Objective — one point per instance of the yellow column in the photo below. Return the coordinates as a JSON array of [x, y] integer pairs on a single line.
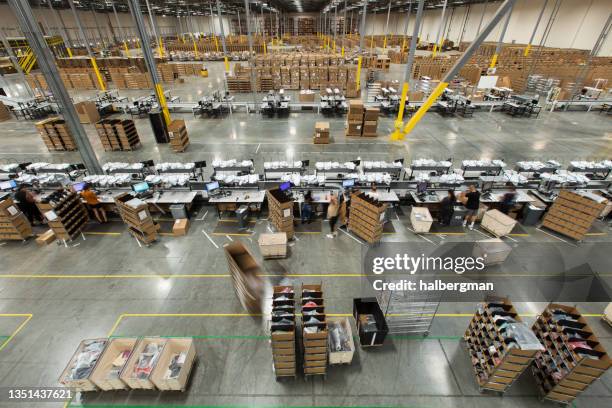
[[493, 61], [265, 47], [216, 43], [127, 50], [527, 50], [161, 47], [69, 52], [342, 51], [98, 75], [227, 64], [358, 79], [433, 54], [424, 108], [404, 45], [195, 48], [397, 133], [162, 101], [385, 42]]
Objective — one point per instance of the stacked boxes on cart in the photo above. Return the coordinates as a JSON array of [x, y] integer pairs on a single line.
[[574, 357], [283, 331], [66, 215], [361, 121], [314, 330], [280, 207], [56, 135], [135, 213], [573, 213], [501, 346], [177, 132], [321, 135], [116, 134], [366, 217], [13, 223], [146, 363]]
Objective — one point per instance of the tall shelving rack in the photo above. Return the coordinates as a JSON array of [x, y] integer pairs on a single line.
[[283, 333], [407, 312]]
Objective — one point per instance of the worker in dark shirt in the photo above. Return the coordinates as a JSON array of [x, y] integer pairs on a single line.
[[447, 208], [508, 199], [27, 204], [472, 203]]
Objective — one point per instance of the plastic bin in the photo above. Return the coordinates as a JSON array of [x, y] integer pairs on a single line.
[[179, 211], [370, 336]]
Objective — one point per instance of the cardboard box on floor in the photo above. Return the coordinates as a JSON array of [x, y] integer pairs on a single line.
[[180, 227], [87, 111], [46, 238]]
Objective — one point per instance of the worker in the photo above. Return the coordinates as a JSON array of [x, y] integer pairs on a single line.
[[508, 199], [447, 208], [472, 204], [92, 201], [332, 214], [374, 191], [307, 208], [27, 205]]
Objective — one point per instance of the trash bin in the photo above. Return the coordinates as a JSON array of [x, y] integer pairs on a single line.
[[242, 214], [179, 211]]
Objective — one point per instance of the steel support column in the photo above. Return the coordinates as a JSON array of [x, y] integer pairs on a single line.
[[62, 28], [535, 29], [440, 28], [484, 10], [46, 62], [251, 56], [154, 29], [148, 58], [387, 25], [15, 62], [121, 30], [227, 65]]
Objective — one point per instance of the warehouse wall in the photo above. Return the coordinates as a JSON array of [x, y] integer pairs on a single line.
[[167, 25], [577, 25]]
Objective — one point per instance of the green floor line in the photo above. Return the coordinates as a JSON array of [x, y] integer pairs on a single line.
[[230, 337], [242, 406]]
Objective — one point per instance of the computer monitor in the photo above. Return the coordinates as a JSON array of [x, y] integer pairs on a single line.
[[348, 183], [285, 186], [421, 187], [140, 187], [210, 187], [78, 187], [8, 185]]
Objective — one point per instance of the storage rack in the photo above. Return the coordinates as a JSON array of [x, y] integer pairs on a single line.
[[573, 214], [366, 217], [594, 173], [245, 273], [118, 134], [494, 170], [438, 169], [66, 217], [178, 135], [280, 207], [135, 213], [14, 226], [283, 335], [565, 369], [406, 312], [56, 135], [315, 344], [498, 358]]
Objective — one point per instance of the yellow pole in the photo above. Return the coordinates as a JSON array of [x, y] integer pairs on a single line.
[[397, 133], [433, 54], [98, 75], [69, 52], [424, 108], [385, 42], [162, 101], [265, 47], [195, 48], [527, 50], [334, 46], [358, 79], [372, 44], [161, 47], [227, 64], [127, 50], [404, 45], [493, 61], [216, 43], [342, 51]]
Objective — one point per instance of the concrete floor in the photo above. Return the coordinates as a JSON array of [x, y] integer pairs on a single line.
[[108, 285]]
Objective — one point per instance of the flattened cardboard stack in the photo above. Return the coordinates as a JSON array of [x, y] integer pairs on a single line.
[[5, 114], [573, 213], [118, 134], [574, 357], [499, 356], [321, 135], [14, 226], [314, 330], [135, 213], [370, 122], [355, 118], [56, 135], [283, 331], [179, 140], [366, 217], [66, 217], [245, 273], [280, 207], [87, 111]]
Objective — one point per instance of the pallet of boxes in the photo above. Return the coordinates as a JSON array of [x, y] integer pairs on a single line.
[[135, 213], [118, 134], [56, 135], [5, 114], [14, 226], [178, 135], [280, 207], [314, 330], [283, 332], [366, 217], [573, 213], [370, 122], [321, 135], [355, 118]]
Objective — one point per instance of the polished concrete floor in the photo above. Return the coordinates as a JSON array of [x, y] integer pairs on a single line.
[[106, 284]]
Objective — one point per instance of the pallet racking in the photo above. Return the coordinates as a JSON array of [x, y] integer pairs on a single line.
[[14, 226], [280, 207], [314, 330], [283, 332], [65, 213], [573, 213], [135, 213], [366, 217]]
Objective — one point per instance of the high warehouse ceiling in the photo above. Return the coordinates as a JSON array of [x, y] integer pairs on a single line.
[[202, 7]]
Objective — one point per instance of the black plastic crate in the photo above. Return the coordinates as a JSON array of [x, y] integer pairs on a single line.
[[369, 306]]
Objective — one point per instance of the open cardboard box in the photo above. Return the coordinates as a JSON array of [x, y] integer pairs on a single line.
[[101, 375], [160, 374], [85, 383], [128, 375]]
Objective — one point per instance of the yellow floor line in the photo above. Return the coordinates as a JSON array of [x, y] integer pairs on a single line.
[[28, 317], [518, 235], [596, 234], [165, 234]]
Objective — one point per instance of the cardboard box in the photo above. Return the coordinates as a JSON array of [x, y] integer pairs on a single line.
[[273, 245], [87, 111], [497, 223], [130, 376], [180, 227], [173, 348], [371, 114], [494, 251], [421, 219], [46, 238], [112, 362], [83, 383]]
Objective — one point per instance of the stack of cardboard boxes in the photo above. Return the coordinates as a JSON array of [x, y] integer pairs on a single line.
[[370, 122], [245, 272], [355, 118], [179, 140], [65, 215], [87, 111], [321, 135], [135, 213], [5, 114], [56, 135], [314, 330], [573, 213], [283, 331], [13, 223], [118, 134], [280, 206], [366, 217]]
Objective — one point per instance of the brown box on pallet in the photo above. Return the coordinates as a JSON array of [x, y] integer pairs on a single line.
[[356, 107], [46, 238], [87, 111], [371, 114]]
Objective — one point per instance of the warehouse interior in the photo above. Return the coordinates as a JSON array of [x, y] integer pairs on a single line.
[[204, 203]]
